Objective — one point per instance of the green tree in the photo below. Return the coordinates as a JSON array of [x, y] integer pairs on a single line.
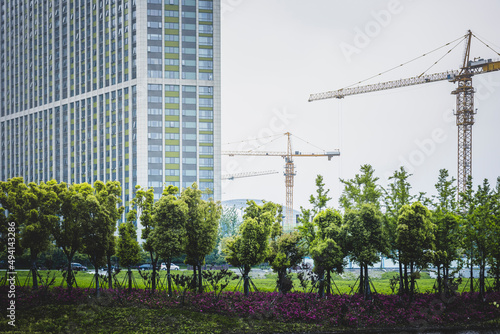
[[169, 236], [15, 203], [68, 230], [109, 196], [478, 221], [285, 252], [448, 240], [228, 227], [415, 240], [250, 246], [395, 197], [202, 226], [96, 231], [328, 247], [319, 202], [494, 244], [42, 216], [143, 210], [306, 227], [365, 240], [362, 189], [128, 249]]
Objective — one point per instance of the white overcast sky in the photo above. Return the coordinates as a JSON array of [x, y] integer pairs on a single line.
[[276, 52]]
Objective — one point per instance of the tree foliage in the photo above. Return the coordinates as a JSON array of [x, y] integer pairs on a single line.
[[415, 240], [169, 236], [202, 225]]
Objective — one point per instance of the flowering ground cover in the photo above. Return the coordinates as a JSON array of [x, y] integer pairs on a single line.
[[57, 310]]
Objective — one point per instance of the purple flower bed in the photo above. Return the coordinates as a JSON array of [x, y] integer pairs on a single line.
[[337, 310]]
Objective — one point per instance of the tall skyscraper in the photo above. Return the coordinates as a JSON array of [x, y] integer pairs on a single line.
[[125, 90]]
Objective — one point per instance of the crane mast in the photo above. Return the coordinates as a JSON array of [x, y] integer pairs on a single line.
[[289, 171], [464, 101]]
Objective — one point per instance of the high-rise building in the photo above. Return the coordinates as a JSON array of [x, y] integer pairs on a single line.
[[125, 90]]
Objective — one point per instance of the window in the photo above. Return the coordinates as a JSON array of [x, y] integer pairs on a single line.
[[205, 4], [172, 13], [171, 38], [171, 99], [154, 12], [172, 160], [171, 49], [206, 76], [191, 89], [205, 29], [154, 87], [204, 162], [154, 171], [154, 148], [171, 148], [206, 53], [206, 41], [191, 149], [189, 39], [206, 150], [206, 90], [154, 135], [187, 26], [206, 102], [155, 124], [154, 25], [153, 48], [204, 126], [206, 174], [172, 124], [206, 17], [171, 88], [171, 25], [206, 139], [154, 160], [191, 15]]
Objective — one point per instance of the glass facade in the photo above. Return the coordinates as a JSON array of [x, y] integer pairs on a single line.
[[125, 90]]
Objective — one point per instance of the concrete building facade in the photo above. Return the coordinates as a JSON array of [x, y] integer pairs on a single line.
[[125, 90]]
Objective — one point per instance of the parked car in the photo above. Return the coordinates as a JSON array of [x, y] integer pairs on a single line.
[[173, 266], [147, 266], [78, 267]]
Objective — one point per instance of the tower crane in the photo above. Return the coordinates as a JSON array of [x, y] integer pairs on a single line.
[[289, 170], [231, 177], [464, 99]]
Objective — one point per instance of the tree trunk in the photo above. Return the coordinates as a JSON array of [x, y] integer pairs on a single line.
[[471, 274], [200, 279], [110, 273], [368, 295], [69, 273], [169, 278], [246, 281], [96, 281], [328, 279], [401, 289], [129, 279], [439, 278], [361, 279], [481, 279], [412, 279], [34, 273], [407, 288], [321, 288]]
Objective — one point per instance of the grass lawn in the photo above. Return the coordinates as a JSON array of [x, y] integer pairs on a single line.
[[96, 315], [265, 282]]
